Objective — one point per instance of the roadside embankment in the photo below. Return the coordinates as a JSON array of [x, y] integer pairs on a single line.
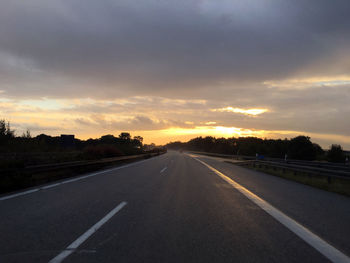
[[333, 181]]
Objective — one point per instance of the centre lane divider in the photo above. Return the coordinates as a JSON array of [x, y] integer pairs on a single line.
[[327, 250], [73, 246]]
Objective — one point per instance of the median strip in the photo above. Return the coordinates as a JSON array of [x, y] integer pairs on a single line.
[[68, 181], [19, 178]]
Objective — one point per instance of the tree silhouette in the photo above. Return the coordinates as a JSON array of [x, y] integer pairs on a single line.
[[125, 136], [302, 148], [299, 147], [336, 154], [6, 133]]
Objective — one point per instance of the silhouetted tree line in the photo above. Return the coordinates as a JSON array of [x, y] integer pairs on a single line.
[[6, 133], [300, 147], [106, 146]]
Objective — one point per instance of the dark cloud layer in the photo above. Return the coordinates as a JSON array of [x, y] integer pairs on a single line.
[[143, 47], [290, 57]]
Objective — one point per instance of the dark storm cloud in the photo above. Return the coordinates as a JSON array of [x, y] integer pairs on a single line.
[[187, 57], [118, 48]]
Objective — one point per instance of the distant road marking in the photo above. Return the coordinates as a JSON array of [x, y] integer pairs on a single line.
[[305, 234], [163, 169], [72, 247], [69, 181]]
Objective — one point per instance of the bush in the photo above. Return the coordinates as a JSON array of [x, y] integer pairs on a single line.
[[336, 154], [101, 151]]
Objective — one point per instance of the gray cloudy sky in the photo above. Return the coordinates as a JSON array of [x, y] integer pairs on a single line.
[[95, 67]]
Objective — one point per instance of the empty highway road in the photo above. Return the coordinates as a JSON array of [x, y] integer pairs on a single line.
[[175, 208]]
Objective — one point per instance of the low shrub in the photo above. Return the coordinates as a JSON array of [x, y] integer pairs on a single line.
[[101, 151]]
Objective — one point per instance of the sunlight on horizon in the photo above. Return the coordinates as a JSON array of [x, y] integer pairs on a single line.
[[94, 118]]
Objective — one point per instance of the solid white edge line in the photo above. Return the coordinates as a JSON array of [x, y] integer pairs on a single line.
[[19, 194], [305, 234], [73, 246], [69, 181]]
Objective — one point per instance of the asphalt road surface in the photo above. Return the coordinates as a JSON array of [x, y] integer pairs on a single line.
[[175, 208]]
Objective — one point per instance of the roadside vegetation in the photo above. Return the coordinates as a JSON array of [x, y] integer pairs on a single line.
[[298, 148], [26, 161], [21, 151]]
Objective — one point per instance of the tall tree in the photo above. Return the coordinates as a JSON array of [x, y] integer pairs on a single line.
[[301, 148]]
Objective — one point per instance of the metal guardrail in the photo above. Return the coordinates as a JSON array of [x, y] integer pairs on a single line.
[[315, 165], [18, 178], [304, 169], [77, 164]]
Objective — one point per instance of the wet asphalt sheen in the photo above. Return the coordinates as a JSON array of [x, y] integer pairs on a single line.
[[177, 210]]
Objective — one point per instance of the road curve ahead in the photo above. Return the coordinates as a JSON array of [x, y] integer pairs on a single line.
[[175, 208]]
